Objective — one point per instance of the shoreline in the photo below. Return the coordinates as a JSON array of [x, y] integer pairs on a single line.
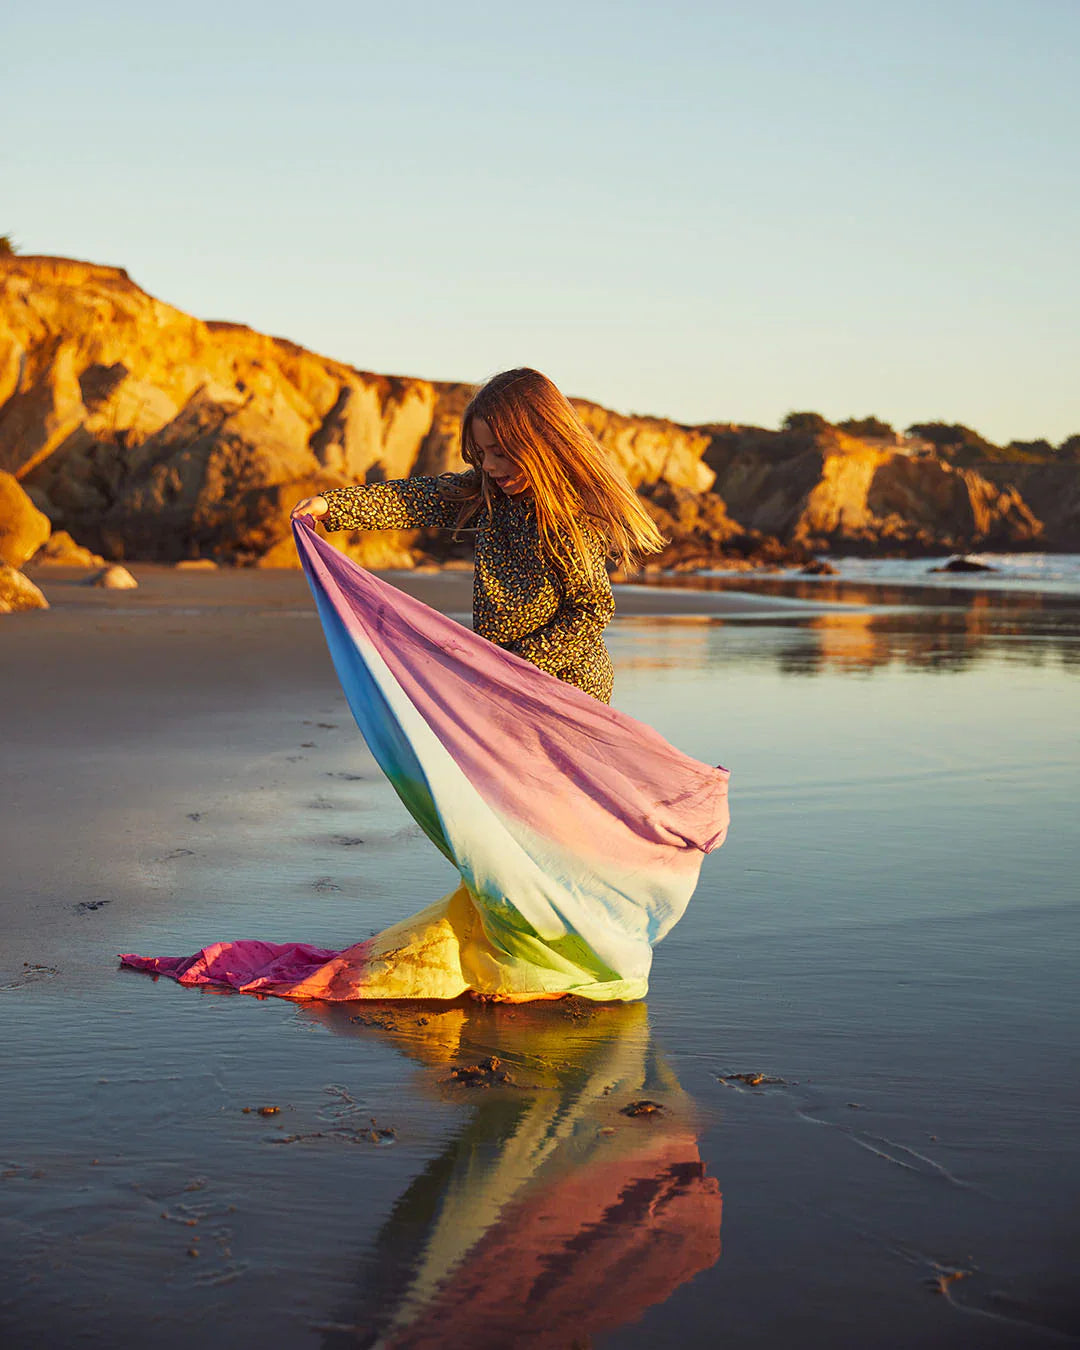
[[448, 590]]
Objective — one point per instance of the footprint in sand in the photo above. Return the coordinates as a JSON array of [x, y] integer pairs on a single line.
[[346, 841], [325, 884], [31, 973], [85, 906]]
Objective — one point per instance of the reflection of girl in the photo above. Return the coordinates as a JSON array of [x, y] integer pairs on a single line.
[[548, 509], [552, 1216]]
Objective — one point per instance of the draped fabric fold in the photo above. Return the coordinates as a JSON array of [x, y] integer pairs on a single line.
[[578, 832]]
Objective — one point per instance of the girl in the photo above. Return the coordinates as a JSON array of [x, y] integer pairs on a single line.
[[549, 509], [578, 833]]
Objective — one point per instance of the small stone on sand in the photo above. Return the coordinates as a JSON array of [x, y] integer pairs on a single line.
[[644, 1107], [114, 578]]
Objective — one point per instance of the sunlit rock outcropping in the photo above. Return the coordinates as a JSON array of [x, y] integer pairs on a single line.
[[148, 434]]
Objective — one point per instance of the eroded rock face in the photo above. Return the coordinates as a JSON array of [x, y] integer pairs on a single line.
[[934, 500], [650, 450], [1050, 491], [23, 528], [18, 592], [700, 532], [147, 433], [150, 434], [836, 492]]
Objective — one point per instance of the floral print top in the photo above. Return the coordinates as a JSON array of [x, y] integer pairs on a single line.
[[550, 614]]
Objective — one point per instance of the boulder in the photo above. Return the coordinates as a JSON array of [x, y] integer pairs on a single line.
[[60, 550], [964, 565], [114, 578], [196, 565], [23, 528], [18, 592]]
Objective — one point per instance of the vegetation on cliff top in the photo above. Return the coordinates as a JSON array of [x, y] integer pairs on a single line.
[[959, 444]]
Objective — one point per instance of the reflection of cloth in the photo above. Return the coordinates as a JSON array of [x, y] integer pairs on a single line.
[[578, 832], [551, 1216], [553, 616]]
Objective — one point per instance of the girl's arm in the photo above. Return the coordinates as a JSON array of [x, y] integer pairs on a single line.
[[401, 504], [586, 608]]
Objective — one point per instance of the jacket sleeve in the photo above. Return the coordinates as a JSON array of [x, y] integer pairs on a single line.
[[401, 504], [586, 608]]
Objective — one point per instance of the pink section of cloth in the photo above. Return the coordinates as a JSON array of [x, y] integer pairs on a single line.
[[598, 782]]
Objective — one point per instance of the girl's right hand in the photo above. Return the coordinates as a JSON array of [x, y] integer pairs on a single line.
[[311, 506]]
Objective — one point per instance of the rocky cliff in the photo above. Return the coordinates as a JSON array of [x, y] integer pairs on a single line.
[[1052, 491], [147, 433], [831, 491]]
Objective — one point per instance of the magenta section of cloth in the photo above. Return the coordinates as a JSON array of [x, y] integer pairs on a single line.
[[247, 964], [604, 786]]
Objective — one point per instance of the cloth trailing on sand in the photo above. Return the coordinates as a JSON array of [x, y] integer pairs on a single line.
[[578, 832]]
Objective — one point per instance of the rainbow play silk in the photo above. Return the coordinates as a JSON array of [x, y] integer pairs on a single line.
[[578, 832]]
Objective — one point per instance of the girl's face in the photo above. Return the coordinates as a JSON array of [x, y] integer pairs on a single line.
[[503, 471]]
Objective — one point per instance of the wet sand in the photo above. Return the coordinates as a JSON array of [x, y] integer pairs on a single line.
[[889, 934]]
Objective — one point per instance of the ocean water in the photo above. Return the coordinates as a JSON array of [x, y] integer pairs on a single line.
[[1054, 573], [860, 1043]]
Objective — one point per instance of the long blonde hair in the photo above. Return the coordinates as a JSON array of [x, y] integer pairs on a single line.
[[571, 478]]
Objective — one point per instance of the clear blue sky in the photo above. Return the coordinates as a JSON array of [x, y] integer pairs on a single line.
[[714, 211]]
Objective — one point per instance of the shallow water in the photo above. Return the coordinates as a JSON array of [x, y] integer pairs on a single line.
[[890, 932], [1053, 573]]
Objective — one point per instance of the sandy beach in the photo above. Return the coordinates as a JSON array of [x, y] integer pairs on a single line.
[[861, 1037]]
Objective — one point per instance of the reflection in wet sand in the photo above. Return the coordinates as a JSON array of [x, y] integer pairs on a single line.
[[552, 1216], [934, 640], [879, 627]]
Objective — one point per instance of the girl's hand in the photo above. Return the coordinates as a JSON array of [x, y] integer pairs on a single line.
[[310, 506]]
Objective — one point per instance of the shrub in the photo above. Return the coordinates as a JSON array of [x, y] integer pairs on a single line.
[[810, 423], [951, 437], [872, 427], [1069, 448]]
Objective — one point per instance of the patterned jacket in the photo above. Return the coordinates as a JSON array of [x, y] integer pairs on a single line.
[[550, 614]]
